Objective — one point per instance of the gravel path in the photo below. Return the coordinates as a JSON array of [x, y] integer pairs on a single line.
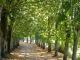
[[28, 51]]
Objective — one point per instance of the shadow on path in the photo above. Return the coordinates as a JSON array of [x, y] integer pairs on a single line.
[[28, 51]]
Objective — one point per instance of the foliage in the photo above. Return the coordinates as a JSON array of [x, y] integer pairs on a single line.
[[31, 18]]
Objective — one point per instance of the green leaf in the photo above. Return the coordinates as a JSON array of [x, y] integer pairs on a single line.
[[66, 5], [77, 18], [74, 1], [68, 12], [61, 17]]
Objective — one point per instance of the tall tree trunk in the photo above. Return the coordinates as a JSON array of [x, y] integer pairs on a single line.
[[75, 45], [0, 40], [30, 39], [39, 43], [49, 47], [49, 43], [43, 45], [65, 50], [0, 31], [56, 42], [77, 11], [9, 34], [9, 38], [56, 47], [4, 31], [66, 42], [27, 39]]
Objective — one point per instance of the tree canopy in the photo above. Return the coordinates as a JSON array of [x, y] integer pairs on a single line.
[[47, 20]]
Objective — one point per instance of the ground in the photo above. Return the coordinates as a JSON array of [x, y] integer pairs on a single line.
[[26, 51]]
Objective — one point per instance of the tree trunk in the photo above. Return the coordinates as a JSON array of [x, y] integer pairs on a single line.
[[56, 47], [66, 42], [43, 45], [66, 50], [4, 31], [27, 39], [75, 46], [9, 38], [49, 43], [39, 43], [0, 31], [76, 33], [30, 39], [56, 41], [0, 40], [49, 47]]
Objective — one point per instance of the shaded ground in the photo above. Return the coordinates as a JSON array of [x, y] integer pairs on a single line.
[[28, 51]]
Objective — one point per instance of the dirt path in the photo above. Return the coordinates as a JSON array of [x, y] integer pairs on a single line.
[[28, 51]]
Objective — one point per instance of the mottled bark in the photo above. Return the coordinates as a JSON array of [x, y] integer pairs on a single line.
[[56, 41], [30, 39], [49, 47], [56, 47], [4, 31], [43, 45], [27, 39], [49, 43], [75, 46], [0, 31], [67, 30], [66, 50], [39, 43], [9, 38]]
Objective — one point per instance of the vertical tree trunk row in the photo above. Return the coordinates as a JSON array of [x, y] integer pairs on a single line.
[[0, 31], [75, 45], [67, 30], [6, 34], [49, 43], [56, 41], [4, 31]]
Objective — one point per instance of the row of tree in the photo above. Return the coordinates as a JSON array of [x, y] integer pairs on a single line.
[[53, 22]]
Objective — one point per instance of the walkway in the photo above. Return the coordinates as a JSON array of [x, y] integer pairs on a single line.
[[28, 51]]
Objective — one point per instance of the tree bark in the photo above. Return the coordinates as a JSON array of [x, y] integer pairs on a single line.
[[0, 31], [76, 31], [27, 39], [43, 45], [30, 39], [49, 43], [66, 50], [4, 31], [49, 47], [75, 45], [67, 30], [9, 38], [56, 47], [56, 41]]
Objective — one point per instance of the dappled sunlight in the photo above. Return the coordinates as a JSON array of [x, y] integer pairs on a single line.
[[28, 51]]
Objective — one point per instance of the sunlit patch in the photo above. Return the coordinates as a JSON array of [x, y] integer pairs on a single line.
[[32, 52], [15, 53], [12, 53], [60, 58], [21, 55], [41, 56]]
